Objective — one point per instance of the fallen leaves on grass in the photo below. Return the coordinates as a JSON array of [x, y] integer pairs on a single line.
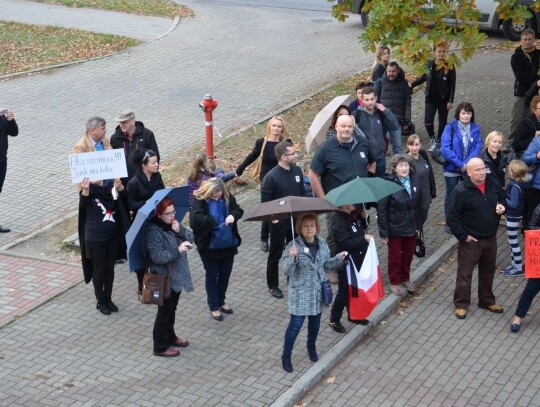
[[162, 8], [24, 46]]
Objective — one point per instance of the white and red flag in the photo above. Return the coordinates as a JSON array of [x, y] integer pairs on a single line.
[[365, 285]]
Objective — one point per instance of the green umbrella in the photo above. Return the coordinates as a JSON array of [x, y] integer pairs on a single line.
[[361, 190]]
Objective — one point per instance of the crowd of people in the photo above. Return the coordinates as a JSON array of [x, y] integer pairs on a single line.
[[484, 181]]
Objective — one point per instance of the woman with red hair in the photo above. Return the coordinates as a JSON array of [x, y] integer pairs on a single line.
[[167, 243]]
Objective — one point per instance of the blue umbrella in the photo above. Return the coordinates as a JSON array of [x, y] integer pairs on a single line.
[[135, 234]]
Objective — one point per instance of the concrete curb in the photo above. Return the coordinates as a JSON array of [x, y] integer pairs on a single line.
[[331, 357], [172, 27]]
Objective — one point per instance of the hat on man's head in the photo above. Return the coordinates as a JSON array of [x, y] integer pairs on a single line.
[[124, 115]]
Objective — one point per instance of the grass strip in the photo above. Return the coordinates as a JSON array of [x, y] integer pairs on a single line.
[[24, 46], [159, 8]]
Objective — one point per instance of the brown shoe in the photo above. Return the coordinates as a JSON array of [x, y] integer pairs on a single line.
[[495, 308], [396, 289], [169, 353], [460, 313], [410, 287]]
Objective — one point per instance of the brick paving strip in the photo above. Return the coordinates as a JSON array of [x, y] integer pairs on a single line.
[[66, 353]]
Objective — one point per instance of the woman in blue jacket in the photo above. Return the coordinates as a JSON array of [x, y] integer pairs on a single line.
[[460, 141]]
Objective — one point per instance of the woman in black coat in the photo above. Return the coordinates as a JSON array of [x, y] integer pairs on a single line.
[[398, 220], [496, 161], [140, 189], [103, 222], [276, 131], [213, 206], [347, 229]]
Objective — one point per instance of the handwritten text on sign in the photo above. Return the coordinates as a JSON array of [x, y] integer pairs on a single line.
[[96, 165], [532, 253]]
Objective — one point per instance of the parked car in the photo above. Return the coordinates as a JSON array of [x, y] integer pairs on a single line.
[[489, 19]]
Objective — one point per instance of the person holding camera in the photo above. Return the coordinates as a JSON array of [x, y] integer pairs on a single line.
[[167, 244], [8, 127]]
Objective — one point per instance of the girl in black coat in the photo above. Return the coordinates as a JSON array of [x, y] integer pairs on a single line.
[[347, 229], [212, 206], [140, 189], [398, 220]]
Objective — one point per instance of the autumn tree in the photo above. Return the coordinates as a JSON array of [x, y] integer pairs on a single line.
[[413, 27]]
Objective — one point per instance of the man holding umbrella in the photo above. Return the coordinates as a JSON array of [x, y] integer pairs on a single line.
[[285, 179]]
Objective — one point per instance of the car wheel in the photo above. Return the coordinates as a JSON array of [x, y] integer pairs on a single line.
[[365, 19], [513, 31]]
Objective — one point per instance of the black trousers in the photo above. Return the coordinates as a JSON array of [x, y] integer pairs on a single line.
[[3, 170], [280, 235], [341, 299], [164, 333], [103, 258], [431, 108]]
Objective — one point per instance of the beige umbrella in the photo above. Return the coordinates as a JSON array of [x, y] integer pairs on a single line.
[[318, 129]]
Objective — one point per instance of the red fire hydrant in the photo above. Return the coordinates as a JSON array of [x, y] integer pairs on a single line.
[[208, 105]]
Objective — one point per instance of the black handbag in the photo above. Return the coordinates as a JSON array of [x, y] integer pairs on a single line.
[[420, 248], [326, 289], [436, 155]]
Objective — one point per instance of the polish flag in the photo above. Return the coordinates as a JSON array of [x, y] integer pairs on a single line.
[[365, 286]]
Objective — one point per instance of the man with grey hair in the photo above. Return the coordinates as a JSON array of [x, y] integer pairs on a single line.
[[525, 63], [94, 139], [131, 135]]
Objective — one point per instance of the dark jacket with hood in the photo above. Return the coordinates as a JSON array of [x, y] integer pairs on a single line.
[[375, 126], [398, 214], [525, 67], [473, 213], [7, 128], [445, 81], [143, 139], [395, 95]]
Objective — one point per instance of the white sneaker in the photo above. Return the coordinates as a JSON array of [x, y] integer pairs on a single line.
[[432, 144]]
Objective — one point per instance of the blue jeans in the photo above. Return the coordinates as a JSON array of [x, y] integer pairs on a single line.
[[395, 139], [451, 183], [218, 272], [380, 170], [314, 323]]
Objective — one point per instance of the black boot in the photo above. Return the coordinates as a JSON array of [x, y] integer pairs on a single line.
[[112, 306], [103, 307], [312, 351], [286, 362]]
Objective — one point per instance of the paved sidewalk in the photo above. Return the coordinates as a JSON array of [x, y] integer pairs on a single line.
[[65, 353], [142, 28], [423, 356]]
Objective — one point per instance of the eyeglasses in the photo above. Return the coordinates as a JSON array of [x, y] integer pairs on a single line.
[[169, 213]]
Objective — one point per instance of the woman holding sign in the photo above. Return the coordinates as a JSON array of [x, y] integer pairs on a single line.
[[103, 222], [533, 284]]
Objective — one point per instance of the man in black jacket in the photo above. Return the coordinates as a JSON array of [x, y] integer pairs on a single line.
[[474, 217], [8, 127], [394, 93], [285, 179], [131, 135], [525, 63]]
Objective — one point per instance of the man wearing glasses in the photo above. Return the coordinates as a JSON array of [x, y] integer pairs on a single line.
[[131, 135], [285, 179], [473, 216]]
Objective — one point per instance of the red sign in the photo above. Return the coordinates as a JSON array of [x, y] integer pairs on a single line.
[[532, 254]]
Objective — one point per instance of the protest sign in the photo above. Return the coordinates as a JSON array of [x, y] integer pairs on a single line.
[[532, 253], [107, 164]]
